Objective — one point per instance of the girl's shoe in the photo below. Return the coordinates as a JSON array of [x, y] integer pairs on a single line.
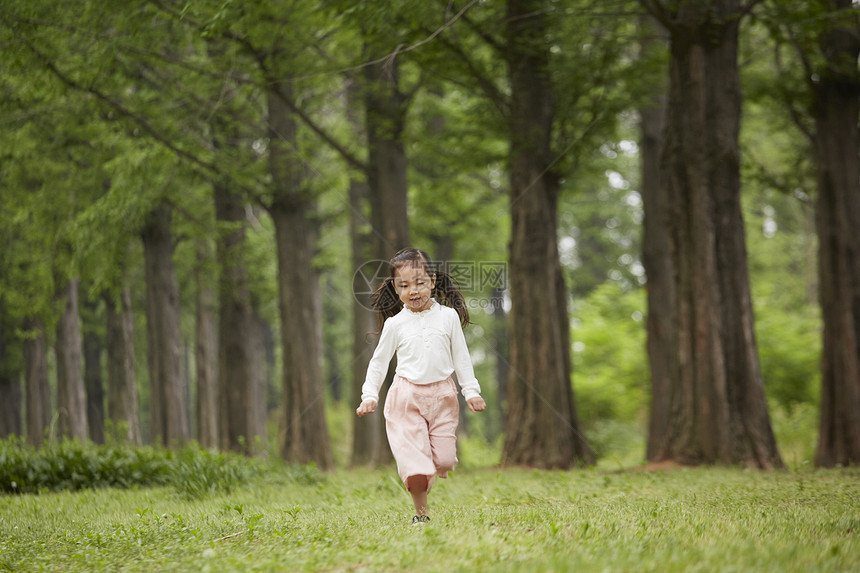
[[419, 519]]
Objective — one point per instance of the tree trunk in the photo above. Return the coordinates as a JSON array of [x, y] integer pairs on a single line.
[[10, 405], [206, 350], [718, 412], [836, 142], [259, 382], [540, 396], [38, 392], [235, 354], [332, 316], [657, 260], [304, 435], [368, 433], [385, 116], [10, 382], [384, 107], [92, 345], [271, 384], [121, 376], [443, 252], [168, 412], [501, 350], [368, 436], [71, 396]]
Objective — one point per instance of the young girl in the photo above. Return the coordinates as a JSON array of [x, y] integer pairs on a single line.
[[421, 408]]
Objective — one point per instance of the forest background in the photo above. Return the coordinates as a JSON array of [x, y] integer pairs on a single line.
[[196, 195]]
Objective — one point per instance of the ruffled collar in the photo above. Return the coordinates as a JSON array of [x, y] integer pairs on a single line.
[[419, 313]]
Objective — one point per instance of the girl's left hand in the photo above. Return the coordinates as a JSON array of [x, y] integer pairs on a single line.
[[476, 404]]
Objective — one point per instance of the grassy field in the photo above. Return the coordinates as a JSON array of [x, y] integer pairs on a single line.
[[706, 519]]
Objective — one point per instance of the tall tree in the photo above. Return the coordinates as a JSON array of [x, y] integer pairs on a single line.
[[168, 413], [206, 349], [10, 380], [368, 433], [38, 392], [385, 107], [121, 378], [71, 394], [540, 396], [256, 36], [385, 116], [92, 343], [235, 354], [304, 436], [718, 412], [237, 395], [835, 85], [656, 252]]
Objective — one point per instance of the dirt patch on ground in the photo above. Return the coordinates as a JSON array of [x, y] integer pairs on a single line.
[[662, 466]]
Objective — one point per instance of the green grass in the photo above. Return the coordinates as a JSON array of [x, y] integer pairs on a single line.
[[705, 519]]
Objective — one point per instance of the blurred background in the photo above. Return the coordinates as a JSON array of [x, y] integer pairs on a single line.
[[191, 192]]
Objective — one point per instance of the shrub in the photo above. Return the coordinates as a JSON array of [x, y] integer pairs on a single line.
[[197, 472], [73, 465]]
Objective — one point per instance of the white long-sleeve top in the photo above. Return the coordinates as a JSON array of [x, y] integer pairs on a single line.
[[430, 346]]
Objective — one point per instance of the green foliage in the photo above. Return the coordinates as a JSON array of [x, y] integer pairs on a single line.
[[192, 472], [198, 472], [796, 431], [790, 355], [610, 367], [72, 465], [600, 218], [784, 287]]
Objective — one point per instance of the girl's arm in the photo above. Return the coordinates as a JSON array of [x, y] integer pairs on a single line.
[[377, 368], [462, 361]]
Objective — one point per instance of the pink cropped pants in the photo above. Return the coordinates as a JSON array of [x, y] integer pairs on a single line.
[[421, 422]]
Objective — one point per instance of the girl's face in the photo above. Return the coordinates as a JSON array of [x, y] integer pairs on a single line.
[[414, 286]]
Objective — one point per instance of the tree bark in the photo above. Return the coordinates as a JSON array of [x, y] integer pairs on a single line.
[[368, 433], [38, 392], [304, 434], [235, 354], [368, 436], [385, 116], [259, 381], [71, 396], [332, 316], [718, 412], [206, 350], [121, 376], [657, 260], [168, 411], [386, 191], [10, 382], [443, 252], [10, 405], [540, 396], [836, 143], [501, 350], [92, 346]]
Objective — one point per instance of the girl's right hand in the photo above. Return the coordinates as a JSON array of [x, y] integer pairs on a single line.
[[366, 407]]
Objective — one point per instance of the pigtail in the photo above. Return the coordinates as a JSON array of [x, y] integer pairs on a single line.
[[446, 292], [386, 302]]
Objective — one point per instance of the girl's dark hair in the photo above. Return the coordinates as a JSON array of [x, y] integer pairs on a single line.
[[445, 291]]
